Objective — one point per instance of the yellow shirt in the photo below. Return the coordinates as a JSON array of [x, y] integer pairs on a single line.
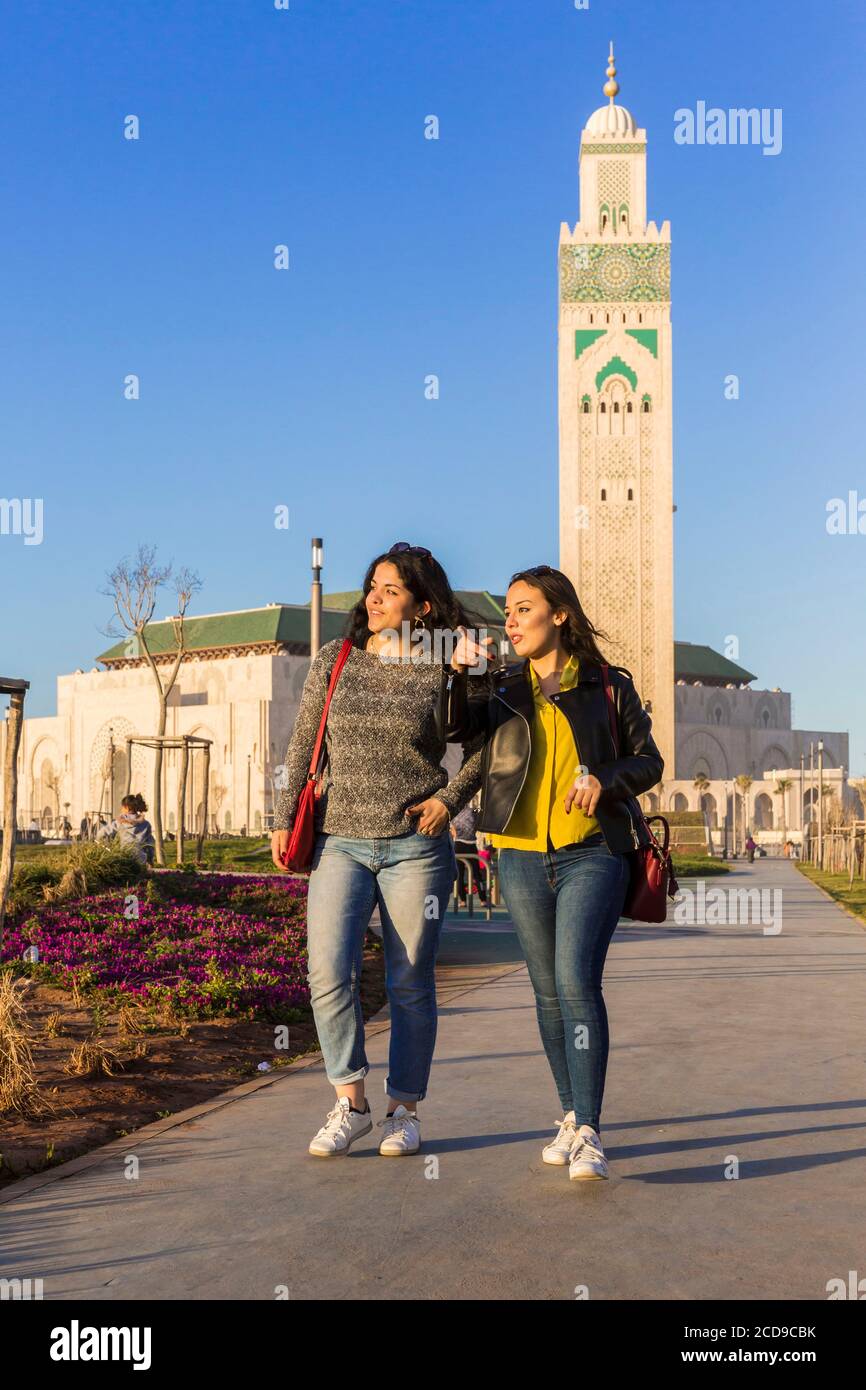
[[553, 766]]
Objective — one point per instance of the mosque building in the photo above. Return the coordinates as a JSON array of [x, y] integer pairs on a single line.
[[240, 682]]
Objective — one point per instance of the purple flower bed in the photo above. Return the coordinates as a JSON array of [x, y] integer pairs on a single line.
[[214, 945]]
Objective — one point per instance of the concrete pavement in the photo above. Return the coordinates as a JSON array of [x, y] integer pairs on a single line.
[[727, 1044]]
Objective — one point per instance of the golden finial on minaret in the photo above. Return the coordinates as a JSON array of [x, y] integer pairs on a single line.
[[611, 87]]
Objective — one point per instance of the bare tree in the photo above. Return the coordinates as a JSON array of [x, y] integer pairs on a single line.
[[133, 589], [16, 690]]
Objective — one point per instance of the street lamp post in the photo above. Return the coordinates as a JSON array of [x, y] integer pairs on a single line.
[[820, 803], [811, 792], [802, 820], [316, 597]]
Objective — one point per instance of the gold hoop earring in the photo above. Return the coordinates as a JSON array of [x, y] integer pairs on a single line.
[[419, 622]]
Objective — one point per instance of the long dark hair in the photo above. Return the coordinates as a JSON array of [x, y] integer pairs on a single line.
[[426, 580], [577, 634]]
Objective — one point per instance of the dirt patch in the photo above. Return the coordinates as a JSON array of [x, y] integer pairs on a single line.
[[183, 1064]]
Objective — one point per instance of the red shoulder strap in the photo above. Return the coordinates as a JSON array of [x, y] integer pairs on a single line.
[[342, 657]]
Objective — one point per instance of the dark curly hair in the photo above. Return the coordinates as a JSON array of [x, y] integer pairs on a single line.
[[577, 634], [426, 580]]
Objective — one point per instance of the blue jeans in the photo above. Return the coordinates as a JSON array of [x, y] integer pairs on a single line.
[[565, 906], [411, 877]]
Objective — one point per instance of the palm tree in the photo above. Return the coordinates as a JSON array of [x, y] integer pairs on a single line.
[[783, 786], [744, 782]]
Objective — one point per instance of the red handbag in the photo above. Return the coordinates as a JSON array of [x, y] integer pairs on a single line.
[[652, 871], [299, 854]]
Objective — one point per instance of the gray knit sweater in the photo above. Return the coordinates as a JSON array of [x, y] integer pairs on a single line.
[[383, 751]]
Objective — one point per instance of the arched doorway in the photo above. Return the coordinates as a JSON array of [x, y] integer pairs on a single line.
[[763, 812]]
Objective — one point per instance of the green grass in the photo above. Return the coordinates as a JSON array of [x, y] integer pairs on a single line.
[[251, 853], [688, 865], [854, 898]]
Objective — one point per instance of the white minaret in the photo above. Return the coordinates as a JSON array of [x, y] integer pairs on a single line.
[[615, 443]]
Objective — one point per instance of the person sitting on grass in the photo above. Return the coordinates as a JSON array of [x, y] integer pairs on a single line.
[[131, 829]]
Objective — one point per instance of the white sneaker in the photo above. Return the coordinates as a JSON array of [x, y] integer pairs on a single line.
[[402, 1133], [558, 1150], [340, 1130], [587, 1159]]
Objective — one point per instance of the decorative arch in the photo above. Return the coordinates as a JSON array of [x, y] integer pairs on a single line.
[[46, 773], [103, 790], [705, 753], [763, 811], [616, 367], [775, 757], [710, 808], [719, 712]]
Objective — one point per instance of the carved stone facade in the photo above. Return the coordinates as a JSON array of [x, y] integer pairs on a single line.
[[615, 436]]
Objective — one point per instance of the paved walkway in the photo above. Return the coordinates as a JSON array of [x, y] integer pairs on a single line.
[[726, 1042]]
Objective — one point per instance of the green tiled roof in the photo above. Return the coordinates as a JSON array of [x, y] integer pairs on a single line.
[[279, 622], [693, 662]]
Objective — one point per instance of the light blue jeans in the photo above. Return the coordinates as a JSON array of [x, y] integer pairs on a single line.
[[411, 877]]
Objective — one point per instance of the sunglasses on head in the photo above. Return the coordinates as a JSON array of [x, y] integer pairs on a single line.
[[535, 571], [404, 548]]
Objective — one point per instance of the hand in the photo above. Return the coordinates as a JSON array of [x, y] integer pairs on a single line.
[[279, 845], [432, 816], [583, 794], [468, 652]]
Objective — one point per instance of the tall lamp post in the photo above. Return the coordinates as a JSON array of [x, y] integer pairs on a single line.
[[316, 597], [820, 803], [802, 810], [811, 793]]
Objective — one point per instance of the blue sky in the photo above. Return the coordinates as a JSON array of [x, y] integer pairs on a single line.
[[408, 257]]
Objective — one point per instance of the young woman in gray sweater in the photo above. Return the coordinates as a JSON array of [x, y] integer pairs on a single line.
[[382, 825]]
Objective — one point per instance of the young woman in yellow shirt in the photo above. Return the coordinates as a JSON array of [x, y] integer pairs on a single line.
[[555, 801]]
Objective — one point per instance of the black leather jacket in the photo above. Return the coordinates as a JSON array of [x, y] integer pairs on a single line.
[[501, 709]]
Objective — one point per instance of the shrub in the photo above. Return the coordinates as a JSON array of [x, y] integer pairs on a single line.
[[84, 868]]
